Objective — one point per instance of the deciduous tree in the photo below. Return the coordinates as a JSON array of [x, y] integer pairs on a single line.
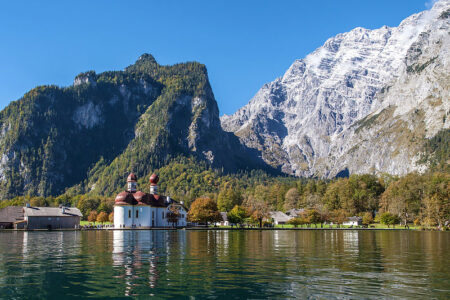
[[102, 217], [111, 217], [204, 210], [367, 218], [258, 209], [92, 216], [292, 198], [237, 215], [389, 219]]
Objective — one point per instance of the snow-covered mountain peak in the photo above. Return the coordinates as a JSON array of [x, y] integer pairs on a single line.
[[295, 119]]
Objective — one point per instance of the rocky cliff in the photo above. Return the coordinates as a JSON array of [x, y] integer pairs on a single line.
[[366, 101], [89, 134]]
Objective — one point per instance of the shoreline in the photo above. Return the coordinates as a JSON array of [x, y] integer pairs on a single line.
[[218, 229]]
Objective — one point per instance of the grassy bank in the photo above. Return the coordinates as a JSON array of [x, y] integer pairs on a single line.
[[87, 223], [318, 226]]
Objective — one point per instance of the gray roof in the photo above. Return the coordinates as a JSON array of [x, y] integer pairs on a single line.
[[295, 212], [11, 214], [52, 212], [354, 218], [224, 216], [279, 216]]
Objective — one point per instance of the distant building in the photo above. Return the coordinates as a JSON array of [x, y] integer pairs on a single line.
[[51, 217], [295, 212], [353, 221], [224, 220], [136, 209], [10, 215], [279, 217]]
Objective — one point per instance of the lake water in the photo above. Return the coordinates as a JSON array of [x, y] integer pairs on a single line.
[[314, 264]]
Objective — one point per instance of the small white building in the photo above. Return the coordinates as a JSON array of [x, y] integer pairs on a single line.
[[224, 220], [135, 209], [279, 217], [353, 221]]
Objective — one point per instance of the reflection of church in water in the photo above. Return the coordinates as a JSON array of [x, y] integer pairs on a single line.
[[144, 257], [135, 209]]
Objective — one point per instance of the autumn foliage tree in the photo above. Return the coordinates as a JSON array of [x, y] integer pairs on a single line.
[[437, 199], [367, 218], [292, 198], [111, 217], [297, 221], [313, 217], [102, 217], [403, 197], [338, 216], [92, 216], [204, 210], [257, 209]]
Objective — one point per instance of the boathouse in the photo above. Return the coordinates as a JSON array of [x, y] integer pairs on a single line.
[[51, 217], [10, 215]]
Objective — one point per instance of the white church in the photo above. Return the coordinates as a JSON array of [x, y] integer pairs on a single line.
[[135, 209]]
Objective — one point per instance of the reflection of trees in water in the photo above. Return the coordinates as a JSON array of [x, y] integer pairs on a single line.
[[265, 264]]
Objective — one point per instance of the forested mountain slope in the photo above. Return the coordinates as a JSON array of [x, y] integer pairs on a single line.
[[89, 134]]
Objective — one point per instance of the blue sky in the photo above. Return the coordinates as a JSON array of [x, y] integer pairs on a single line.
[[244, 44]]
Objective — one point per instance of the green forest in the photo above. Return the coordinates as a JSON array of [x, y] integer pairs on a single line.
[[422, 199], [163, 119], [86, 136]]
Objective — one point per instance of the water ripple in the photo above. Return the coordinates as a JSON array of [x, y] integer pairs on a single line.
[[225, 264]]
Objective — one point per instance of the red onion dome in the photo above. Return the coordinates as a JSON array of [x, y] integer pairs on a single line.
[[125, 198], [154, 179], [141, 198], [131, 177]]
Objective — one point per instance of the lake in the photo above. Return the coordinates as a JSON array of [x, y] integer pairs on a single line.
[[315, 264]]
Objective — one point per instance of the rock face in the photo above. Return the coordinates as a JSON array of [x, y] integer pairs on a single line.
[[335, 111], [89, 134]]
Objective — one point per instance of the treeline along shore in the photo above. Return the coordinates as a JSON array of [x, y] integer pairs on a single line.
[[420, 200]]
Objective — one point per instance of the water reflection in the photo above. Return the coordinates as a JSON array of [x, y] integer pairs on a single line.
[[131, 251], [219, 264]]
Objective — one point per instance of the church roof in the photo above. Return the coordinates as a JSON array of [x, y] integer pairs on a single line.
[[141, 198], [154, 179], [131, 177]]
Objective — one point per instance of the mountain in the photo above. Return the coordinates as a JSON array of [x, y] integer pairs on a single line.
[[87, 136], [367, 101]]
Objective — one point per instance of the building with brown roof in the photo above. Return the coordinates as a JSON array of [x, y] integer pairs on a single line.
[[9, 215], [136, 209]]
